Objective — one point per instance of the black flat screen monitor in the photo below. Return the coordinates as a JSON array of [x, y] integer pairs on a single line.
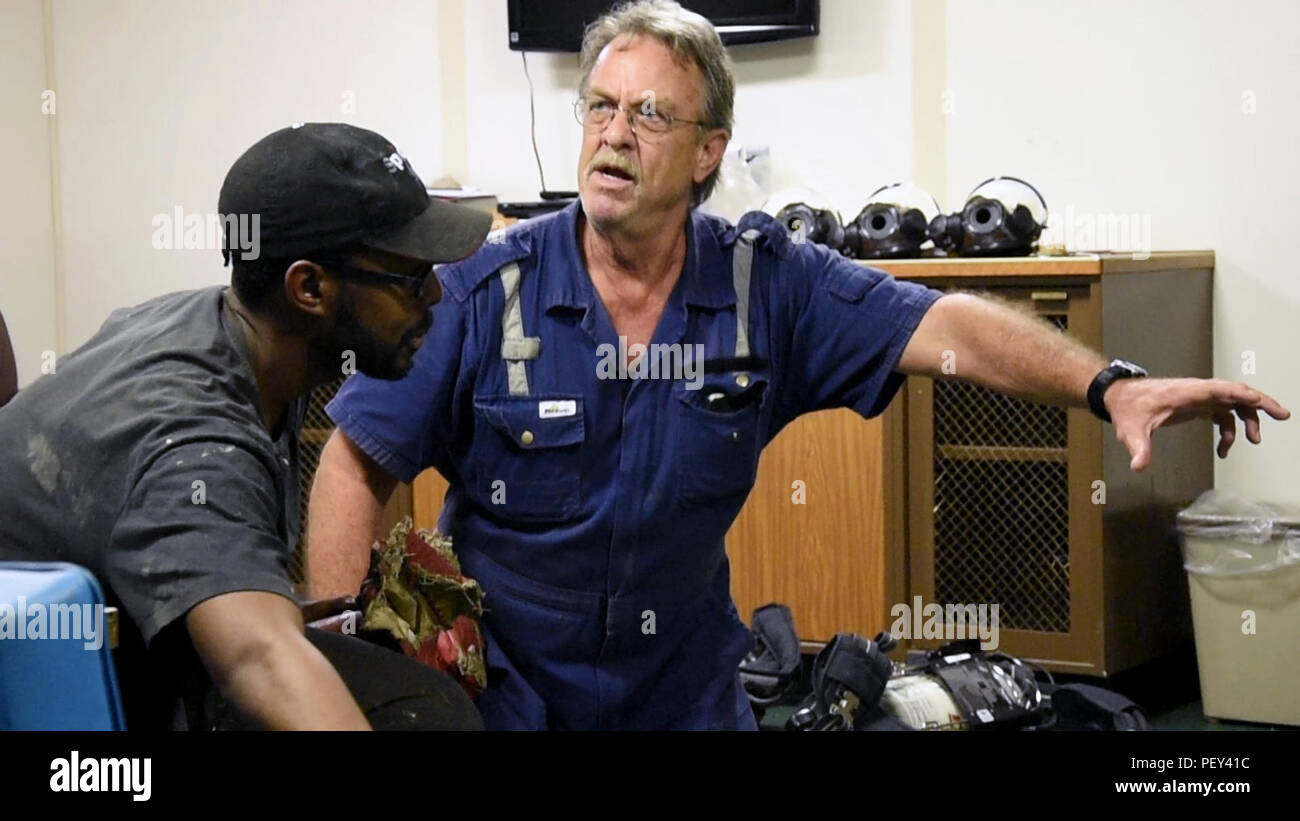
[[557, 25]]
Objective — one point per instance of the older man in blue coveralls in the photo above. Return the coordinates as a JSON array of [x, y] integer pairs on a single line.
[[593, 510]]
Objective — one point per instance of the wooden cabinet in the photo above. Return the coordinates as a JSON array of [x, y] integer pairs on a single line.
[[961, 496]]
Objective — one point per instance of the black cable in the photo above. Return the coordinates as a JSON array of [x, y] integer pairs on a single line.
[[532, 120]]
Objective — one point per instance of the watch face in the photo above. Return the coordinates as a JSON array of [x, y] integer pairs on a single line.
[[1132, 369]]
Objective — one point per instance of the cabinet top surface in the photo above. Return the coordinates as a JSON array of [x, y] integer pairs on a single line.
[[1066, 265]]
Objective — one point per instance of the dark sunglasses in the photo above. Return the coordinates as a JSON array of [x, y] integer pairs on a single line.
[[417, 284]]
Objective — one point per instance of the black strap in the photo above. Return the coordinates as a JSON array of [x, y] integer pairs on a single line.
[[726, 364], [1087, 707], [772, 667], [848, 678]]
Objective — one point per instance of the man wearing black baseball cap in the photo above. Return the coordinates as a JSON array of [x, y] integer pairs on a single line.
[[345, 203], [162, 455]]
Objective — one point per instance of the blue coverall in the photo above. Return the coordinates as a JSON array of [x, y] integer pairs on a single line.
[[593, 510]]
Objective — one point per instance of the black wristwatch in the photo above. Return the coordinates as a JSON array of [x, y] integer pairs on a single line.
[[1118, 369]]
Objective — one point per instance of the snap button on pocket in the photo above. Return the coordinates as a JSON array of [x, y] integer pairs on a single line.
[[528, 466], [742, 379]]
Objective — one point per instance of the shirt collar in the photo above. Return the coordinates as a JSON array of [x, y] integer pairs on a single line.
[[566, 282], [706, 274]]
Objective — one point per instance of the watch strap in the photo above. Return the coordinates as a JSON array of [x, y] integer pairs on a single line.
[[1102, 381]]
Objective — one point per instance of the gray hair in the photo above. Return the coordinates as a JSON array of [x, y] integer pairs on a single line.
[[690, 37]]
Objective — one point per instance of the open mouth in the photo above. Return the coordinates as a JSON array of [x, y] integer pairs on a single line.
[[613, 173]]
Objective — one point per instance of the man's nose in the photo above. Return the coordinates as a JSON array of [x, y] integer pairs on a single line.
[[618, 131]]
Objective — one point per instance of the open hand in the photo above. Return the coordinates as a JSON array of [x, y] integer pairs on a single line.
[[1139, 406]]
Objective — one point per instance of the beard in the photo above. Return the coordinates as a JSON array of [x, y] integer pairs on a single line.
[[374, 357]]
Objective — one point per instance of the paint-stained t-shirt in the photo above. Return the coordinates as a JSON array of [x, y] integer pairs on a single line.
[[144, 458]]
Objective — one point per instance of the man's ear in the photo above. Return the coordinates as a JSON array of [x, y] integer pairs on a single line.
[[709, 157], [308, 290]]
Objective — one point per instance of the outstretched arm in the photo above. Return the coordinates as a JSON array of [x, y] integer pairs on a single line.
[[1004, 349]]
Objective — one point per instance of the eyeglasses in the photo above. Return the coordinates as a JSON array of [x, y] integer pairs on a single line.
[[417, 285], [595, 113]]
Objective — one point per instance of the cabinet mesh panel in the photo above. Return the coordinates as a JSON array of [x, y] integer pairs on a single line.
[[1001, 505], [316, 428]]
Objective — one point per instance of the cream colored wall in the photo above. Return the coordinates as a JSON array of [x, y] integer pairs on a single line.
[[27, 295], [1184, 110], [157, 98], [845, 94]]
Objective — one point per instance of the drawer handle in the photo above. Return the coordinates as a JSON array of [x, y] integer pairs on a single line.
[[1049, 296]]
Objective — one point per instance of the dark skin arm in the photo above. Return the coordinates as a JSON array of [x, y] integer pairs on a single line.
[[252, 644]]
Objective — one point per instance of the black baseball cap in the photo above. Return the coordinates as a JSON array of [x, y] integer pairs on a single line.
[[321, 186]]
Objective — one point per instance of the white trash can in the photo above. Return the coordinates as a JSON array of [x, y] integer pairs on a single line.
[[1243, 570]]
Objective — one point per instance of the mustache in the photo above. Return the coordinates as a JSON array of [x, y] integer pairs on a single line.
[[617, 162]]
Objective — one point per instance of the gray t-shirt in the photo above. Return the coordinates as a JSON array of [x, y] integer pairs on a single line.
[[144, 458]]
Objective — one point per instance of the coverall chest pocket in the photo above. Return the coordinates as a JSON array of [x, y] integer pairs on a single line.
[[527, 455], [717, 437]]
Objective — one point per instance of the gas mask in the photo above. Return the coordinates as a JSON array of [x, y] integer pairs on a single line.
[[807, 217], [892, 224], [1003, 216], [808, 224]]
